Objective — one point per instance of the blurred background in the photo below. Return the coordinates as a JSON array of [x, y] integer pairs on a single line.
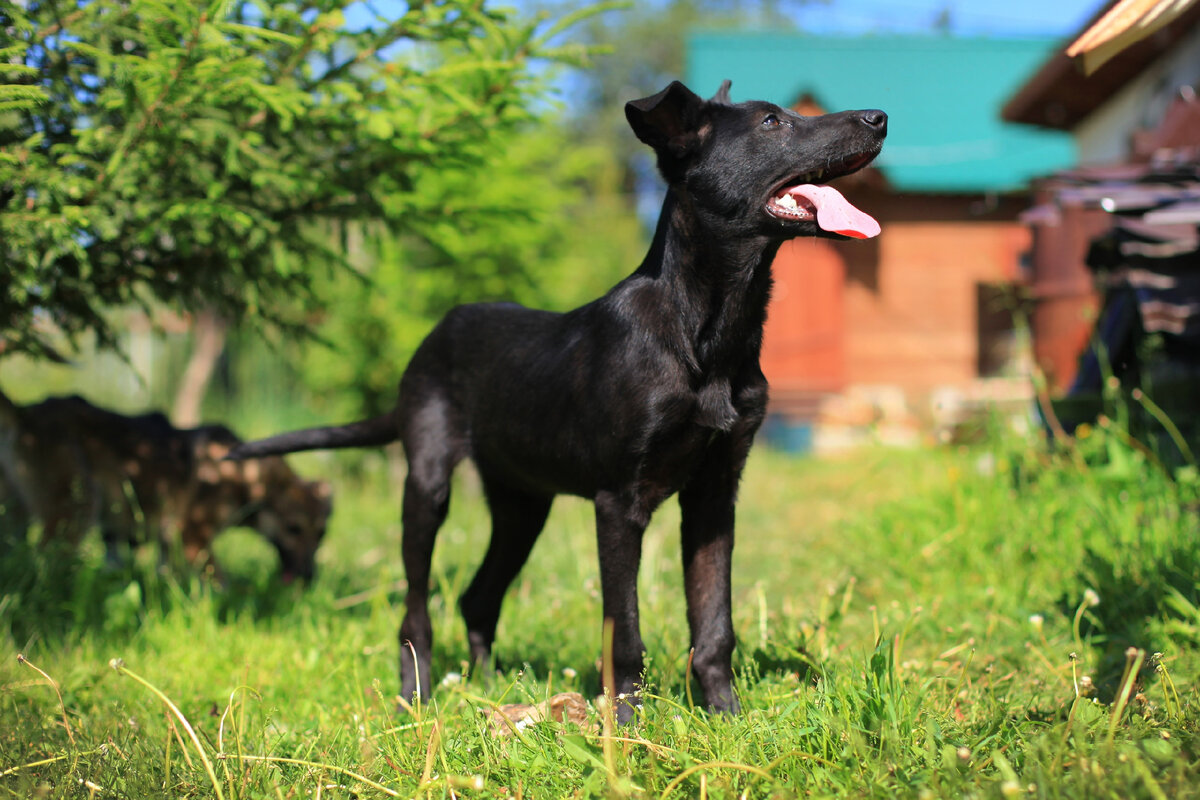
[[253, 212]]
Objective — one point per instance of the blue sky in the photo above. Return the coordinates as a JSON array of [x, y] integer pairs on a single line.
[[968, 17], [847, 17]]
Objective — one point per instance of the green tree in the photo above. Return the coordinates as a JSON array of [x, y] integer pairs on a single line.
[[194, 154], [544, 224]]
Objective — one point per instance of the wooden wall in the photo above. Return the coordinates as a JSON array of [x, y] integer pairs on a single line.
[[903, 309]]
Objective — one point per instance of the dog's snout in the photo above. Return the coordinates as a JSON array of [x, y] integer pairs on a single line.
[[874, 118]]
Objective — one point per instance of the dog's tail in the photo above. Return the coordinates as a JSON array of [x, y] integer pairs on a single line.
[[373, 432]]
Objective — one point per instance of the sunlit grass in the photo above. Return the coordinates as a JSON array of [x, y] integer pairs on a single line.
[[949, 623]]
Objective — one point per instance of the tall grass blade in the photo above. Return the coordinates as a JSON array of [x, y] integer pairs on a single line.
[[121, 669], [21, 659], [1133, 663]]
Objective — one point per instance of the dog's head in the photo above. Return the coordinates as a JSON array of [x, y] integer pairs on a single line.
[[758, 163], [293, 519]]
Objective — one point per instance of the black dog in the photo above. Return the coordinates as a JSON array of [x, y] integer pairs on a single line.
[[653, 389]]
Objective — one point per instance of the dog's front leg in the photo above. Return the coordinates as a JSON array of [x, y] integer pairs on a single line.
[[707, 510], [620, 522]]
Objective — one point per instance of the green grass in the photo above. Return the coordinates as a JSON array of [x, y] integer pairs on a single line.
[[911, 624]]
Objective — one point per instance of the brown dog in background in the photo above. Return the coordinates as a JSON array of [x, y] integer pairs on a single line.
[[72, 466]]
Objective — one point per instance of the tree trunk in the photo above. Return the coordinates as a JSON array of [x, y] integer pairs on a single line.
[[208, 341]]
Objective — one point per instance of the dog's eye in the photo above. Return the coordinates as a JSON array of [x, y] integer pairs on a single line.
[[773, 121]]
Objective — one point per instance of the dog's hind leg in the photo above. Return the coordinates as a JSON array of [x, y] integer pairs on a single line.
[[433, 447], [517, 519]]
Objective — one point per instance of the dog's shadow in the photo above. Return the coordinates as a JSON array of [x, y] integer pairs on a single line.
[[52, 591]]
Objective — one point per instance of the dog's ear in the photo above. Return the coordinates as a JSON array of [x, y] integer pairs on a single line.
[[722, 95], [672, 121]]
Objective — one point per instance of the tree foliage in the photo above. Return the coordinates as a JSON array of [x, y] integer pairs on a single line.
[[546, 225], [195, 153]]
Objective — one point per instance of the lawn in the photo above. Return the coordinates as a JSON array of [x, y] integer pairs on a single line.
[[960, 622]]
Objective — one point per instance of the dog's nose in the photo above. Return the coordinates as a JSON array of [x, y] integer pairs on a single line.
[[876, 119]]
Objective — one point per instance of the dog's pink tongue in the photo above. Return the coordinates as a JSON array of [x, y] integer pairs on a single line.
[[835, 214]]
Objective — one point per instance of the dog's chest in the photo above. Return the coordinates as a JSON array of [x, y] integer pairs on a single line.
[[714, 406], [679, 431]]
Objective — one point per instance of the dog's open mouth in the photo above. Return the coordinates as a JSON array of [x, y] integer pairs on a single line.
[[823, 204]]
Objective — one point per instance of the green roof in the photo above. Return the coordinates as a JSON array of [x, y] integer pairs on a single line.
[[942, 95]]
